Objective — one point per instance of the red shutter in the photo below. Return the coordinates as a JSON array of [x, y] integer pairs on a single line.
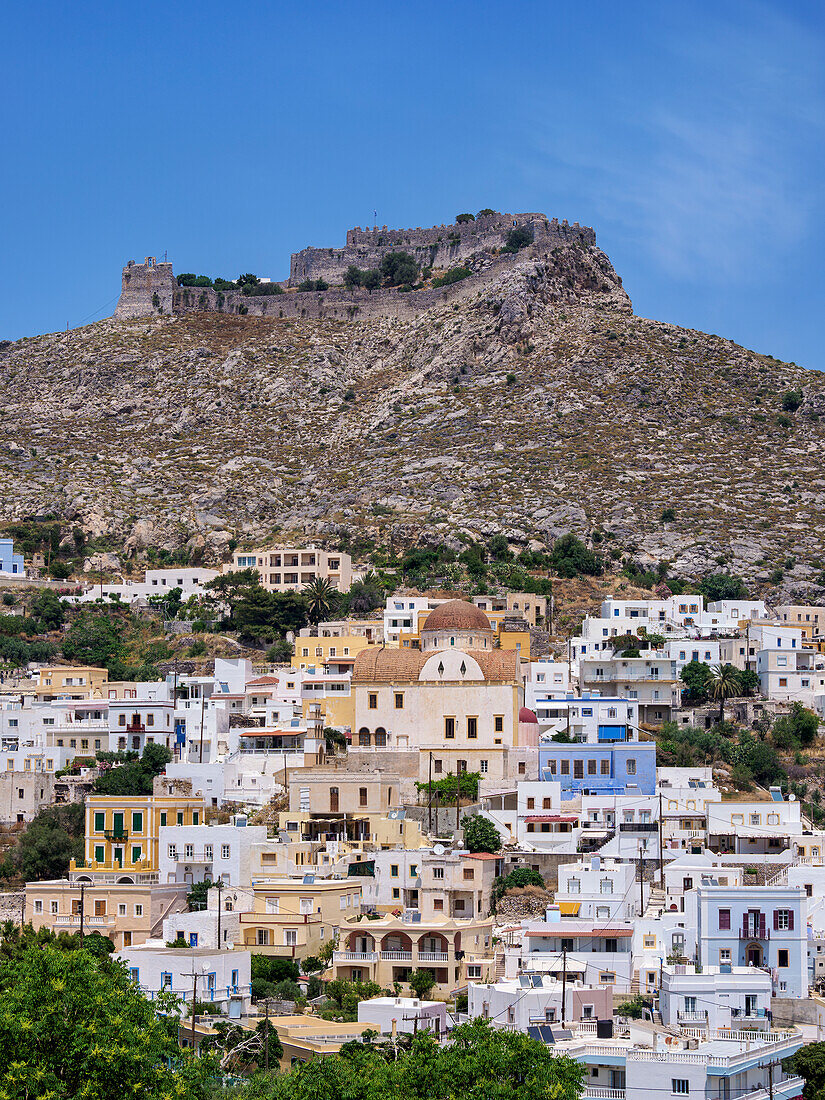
[[790, 920], [744, 926], [761, 926], [776, 920]]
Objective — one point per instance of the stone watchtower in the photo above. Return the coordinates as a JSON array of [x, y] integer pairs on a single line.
[[146, 289]]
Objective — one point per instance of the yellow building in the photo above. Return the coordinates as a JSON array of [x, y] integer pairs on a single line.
[[71, 682], [121, 835], [355, 829], [294, 918], [389, 949], [341, 650]]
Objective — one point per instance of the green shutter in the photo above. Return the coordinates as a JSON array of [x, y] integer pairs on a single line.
[[137, 822], [180, 819], [100, 822], [195, 818], [136, 855], [163, 819], [100, 853]]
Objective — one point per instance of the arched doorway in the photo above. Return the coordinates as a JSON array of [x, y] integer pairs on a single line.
[[753, 954]]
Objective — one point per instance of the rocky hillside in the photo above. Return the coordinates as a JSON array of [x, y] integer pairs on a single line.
[[539, 405]]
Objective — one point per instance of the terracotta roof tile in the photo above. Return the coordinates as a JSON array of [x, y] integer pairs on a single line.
[[380, 665]]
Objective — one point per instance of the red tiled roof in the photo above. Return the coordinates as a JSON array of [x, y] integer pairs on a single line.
[[380, 665], [262, 680]]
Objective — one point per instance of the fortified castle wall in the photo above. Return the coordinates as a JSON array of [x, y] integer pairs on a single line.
[[150, 288], [145, 289], [441, 246]]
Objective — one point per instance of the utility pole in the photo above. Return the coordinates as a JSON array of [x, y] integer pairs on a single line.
[[194, 999], [266, 1035], [563, 981], [203, 705], [457, 795], [430, 797], [641, 881], [770, 1080], [23, 911], [219, 887], [82, 905], [661, 858]]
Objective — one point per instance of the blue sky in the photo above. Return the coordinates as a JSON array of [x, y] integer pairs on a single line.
[[690, 135]]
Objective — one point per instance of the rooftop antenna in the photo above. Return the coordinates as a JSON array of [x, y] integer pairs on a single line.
[[375, 219], [164, 255]]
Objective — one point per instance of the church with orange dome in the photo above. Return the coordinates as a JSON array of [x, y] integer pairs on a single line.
[[454, 704]]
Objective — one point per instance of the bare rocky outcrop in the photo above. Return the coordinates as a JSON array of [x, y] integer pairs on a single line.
[[530, 402]]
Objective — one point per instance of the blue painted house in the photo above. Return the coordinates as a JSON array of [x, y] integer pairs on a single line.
[[623, 767], [11, 564]]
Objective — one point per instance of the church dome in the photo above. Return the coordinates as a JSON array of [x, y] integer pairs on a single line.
[[527, 715], [458, 616]]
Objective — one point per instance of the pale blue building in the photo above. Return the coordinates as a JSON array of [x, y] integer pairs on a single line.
[[11, 564]]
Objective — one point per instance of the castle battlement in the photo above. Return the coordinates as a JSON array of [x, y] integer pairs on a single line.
[[151, 288], [440, 246]]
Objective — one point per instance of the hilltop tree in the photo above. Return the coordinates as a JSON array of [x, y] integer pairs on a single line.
[[371, 279], [48, 609], [398, 269], [352, 277], [462, 218], [570, 557]]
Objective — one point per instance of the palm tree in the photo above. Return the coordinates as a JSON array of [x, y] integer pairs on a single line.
[[321, 597], [724, 682]]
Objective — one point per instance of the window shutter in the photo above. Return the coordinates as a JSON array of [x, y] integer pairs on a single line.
[[744, 926], [761, 926], [776, 920], [790, 920]]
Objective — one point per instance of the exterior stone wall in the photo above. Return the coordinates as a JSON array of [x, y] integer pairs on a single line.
[[565, 250], [341, 304], [442, 246], [11, 905], [144, 285]]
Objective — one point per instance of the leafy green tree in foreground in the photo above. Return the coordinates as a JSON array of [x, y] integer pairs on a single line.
[[480, 1063], [73, 1025]]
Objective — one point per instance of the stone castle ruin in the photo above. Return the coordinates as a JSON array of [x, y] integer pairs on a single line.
[[476, 245]]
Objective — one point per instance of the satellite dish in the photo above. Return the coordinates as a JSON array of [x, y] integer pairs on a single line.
[[439, 850], [792, 798]]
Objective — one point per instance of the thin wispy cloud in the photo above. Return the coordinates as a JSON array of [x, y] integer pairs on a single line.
[[713, 175]]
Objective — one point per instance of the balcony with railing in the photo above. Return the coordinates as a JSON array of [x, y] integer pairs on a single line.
[[116, 836], [594, 1093], [355, 956], [781, 1089], [699, 1016]]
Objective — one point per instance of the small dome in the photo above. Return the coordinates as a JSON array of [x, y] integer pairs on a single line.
[[527, 715], [457, 615]]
